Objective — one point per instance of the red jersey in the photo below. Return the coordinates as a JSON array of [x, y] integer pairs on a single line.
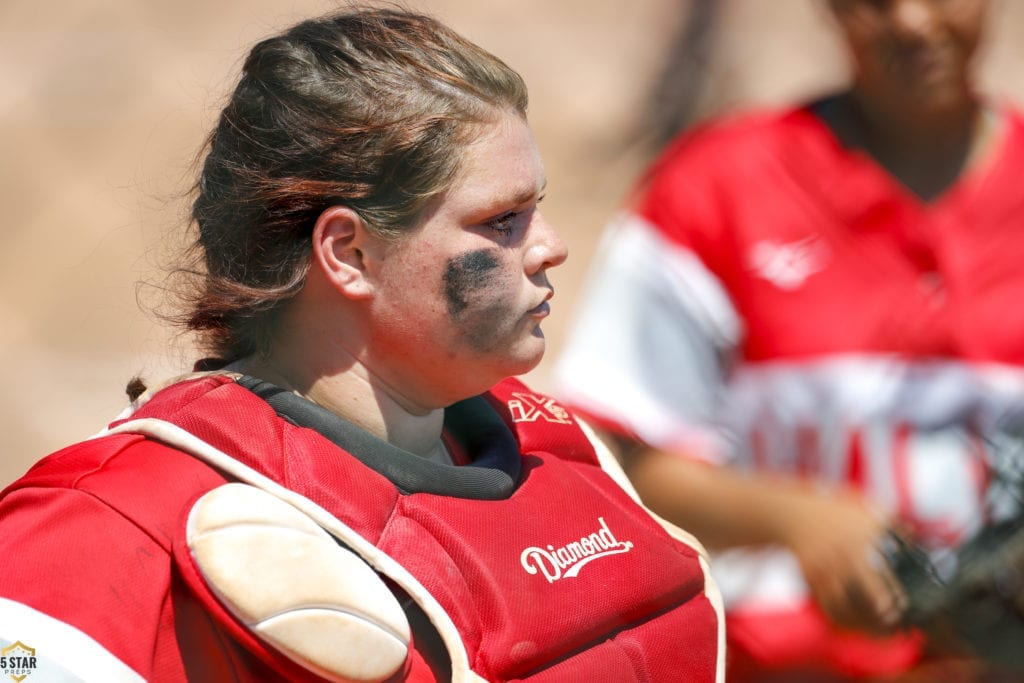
[[779, 302], [531, 562]]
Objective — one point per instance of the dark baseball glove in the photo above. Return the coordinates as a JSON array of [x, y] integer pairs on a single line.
[[977, 596]]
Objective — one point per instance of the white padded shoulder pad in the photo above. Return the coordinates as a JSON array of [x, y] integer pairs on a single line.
[[288, 580]]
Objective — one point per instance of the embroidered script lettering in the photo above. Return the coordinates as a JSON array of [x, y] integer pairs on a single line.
[[567, 561]]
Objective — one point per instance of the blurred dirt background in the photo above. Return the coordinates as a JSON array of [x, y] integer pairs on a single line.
[[105, 103]]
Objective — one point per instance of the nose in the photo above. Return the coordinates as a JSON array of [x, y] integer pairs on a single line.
[[546, 248], [912, 17]]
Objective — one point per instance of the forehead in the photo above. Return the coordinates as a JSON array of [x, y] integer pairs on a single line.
[[501, 164]]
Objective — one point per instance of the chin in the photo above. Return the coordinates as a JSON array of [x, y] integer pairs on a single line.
[[522, 361], [532, 351]]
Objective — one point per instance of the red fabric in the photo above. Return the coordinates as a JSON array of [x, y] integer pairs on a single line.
[[761, 643], [886, 274], [116, 508], [938, 279]]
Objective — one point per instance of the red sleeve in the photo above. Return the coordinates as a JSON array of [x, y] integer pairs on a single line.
[[700, 186], [93, 575], [682, 193]]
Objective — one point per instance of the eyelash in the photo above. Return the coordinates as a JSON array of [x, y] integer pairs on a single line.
[[503, 223]]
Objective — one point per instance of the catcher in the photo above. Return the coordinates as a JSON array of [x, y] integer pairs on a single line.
[[350, 489]]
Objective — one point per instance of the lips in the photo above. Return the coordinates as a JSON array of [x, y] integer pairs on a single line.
[[540, 311], [543, 308], [921, 61]]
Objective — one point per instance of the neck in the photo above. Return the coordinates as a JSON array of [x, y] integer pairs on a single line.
[[926, 151], [914, 129], [356, 397]]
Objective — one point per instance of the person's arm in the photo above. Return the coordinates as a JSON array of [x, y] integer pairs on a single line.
[[833, 533], [649, 356]]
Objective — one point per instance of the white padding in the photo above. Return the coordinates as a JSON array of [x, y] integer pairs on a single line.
[[292, 584]]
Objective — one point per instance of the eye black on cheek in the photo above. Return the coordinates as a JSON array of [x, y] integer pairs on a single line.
[[465, 273]]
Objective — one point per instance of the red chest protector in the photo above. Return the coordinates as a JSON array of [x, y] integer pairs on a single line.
[[546, 568]]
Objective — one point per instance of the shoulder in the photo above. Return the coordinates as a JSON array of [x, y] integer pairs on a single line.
[[1013, 116], [85, 554], [183, 397], [1011, 110], [719, 142], [127, 477], [118, 481], [706, 172]]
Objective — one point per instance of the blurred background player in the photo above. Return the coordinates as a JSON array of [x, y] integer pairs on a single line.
[[804, 329]]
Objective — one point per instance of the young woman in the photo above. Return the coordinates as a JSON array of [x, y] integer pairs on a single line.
[[350, 489]]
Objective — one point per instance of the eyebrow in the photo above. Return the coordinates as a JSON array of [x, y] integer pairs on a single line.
[[500, 207], [526, 195]]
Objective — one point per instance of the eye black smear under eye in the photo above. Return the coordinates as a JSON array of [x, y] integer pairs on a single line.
[[465, 273]]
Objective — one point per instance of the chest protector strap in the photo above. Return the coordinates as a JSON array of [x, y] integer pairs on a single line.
[[210, 520]]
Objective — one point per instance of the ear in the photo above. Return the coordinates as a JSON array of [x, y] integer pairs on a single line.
[[339, 241]]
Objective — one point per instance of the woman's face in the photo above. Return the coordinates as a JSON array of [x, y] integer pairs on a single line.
[[912, 53], [462, 298]]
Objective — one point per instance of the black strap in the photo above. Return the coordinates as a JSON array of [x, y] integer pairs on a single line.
[[492, 474]]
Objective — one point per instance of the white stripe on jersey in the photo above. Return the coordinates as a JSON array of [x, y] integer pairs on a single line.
[[673, 315], [660, 369]]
